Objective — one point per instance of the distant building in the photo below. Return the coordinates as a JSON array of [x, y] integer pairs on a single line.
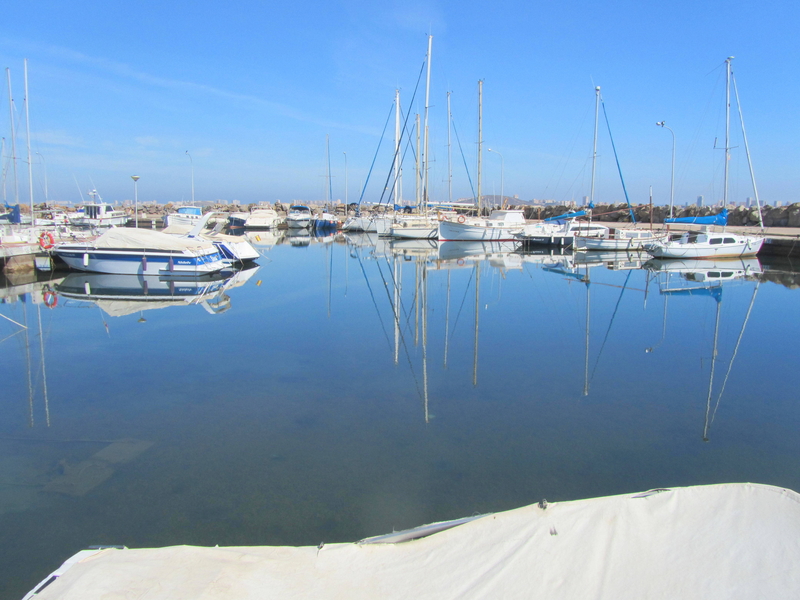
[[700, 201], [586, 200]]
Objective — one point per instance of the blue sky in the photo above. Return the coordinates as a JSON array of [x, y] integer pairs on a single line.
[[251, 89]]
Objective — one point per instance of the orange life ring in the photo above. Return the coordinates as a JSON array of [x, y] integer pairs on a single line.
[[50, 299], [46, 240], [460, 262], [461, 218]]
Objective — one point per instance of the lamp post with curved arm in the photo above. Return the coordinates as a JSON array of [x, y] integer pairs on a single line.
[[672, 178], [502, 176]]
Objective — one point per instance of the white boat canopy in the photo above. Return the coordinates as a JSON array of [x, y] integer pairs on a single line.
[[126, 238], [718, 541]]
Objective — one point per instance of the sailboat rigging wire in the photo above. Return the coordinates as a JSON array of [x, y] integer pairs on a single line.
[[614, 147], [8, 337], [14, 322], [747, 151], [463, 158], [463, 300], [374, 158], [735, 350], [611, 322], [372, 295], [405, 126], [402, 337]]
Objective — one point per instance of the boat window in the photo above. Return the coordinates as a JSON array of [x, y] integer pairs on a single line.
[[727, 274], [714, 274], [692, 238], [730, 241], [715, 241]]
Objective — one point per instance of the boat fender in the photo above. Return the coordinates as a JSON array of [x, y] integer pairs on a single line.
[[46, 240], [461, 218], [50, 299]]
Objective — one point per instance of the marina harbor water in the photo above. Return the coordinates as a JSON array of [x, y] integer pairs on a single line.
[[348, 386]]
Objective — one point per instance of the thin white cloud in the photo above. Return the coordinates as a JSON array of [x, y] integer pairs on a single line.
[[125, 71]]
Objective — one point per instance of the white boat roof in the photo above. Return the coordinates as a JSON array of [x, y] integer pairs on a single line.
[[124, 237], [710, 542]]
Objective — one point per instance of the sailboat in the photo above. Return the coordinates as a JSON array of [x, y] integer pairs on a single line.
[[424, 225], [500, 226], [707, 244], [327, 221]]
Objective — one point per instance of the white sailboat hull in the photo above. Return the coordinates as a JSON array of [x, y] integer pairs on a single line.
[[740, 246], [450, 231]]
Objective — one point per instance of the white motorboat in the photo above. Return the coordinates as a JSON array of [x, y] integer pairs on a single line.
[[143, 252], [499, 226], [98, 214], [184, 215], [560, 233], [299, 217], [705, 244], [235, 248], [262, 218], [622, 239], [415, 227]]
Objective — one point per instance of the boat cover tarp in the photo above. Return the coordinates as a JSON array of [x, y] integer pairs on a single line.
[[706, 542], [123, 237], [719, 219], [572, 215]]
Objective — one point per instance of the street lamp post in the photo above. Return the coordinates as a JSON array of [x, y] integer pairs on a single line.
[[136, 200], [672, 178], [44, 164], [502, 173], [191, 162], [345, 178]]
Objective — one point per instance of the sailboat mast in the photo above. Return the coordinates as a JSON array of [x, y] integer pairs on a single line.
[[713, 364], [397, 265], [398, 186], [28, 137], [328, 190], [425, 145], [477, 315], [449, 154], [480, 142], [13, 137], [416, 168], [727, 128], [594, 143]]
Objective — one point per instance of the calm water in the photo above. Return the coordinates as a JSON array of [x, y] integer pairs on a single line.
[[292, 407]]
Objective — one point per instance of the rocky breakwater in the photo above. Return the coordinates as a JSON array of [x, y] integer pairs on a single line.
[[774, 216]]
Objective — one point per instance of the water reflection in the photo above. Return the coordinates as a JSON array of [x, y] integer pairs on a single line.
[[120, 295], [369, 385], [705, 279]]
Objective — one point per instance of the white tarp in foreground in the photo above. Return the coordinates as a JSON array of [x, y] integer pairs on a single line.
[[720, 541]]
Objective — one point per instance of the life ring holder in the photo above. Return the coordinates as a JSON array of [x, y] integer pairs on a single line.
[[461, 218], [46, 240], [50, 298]]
